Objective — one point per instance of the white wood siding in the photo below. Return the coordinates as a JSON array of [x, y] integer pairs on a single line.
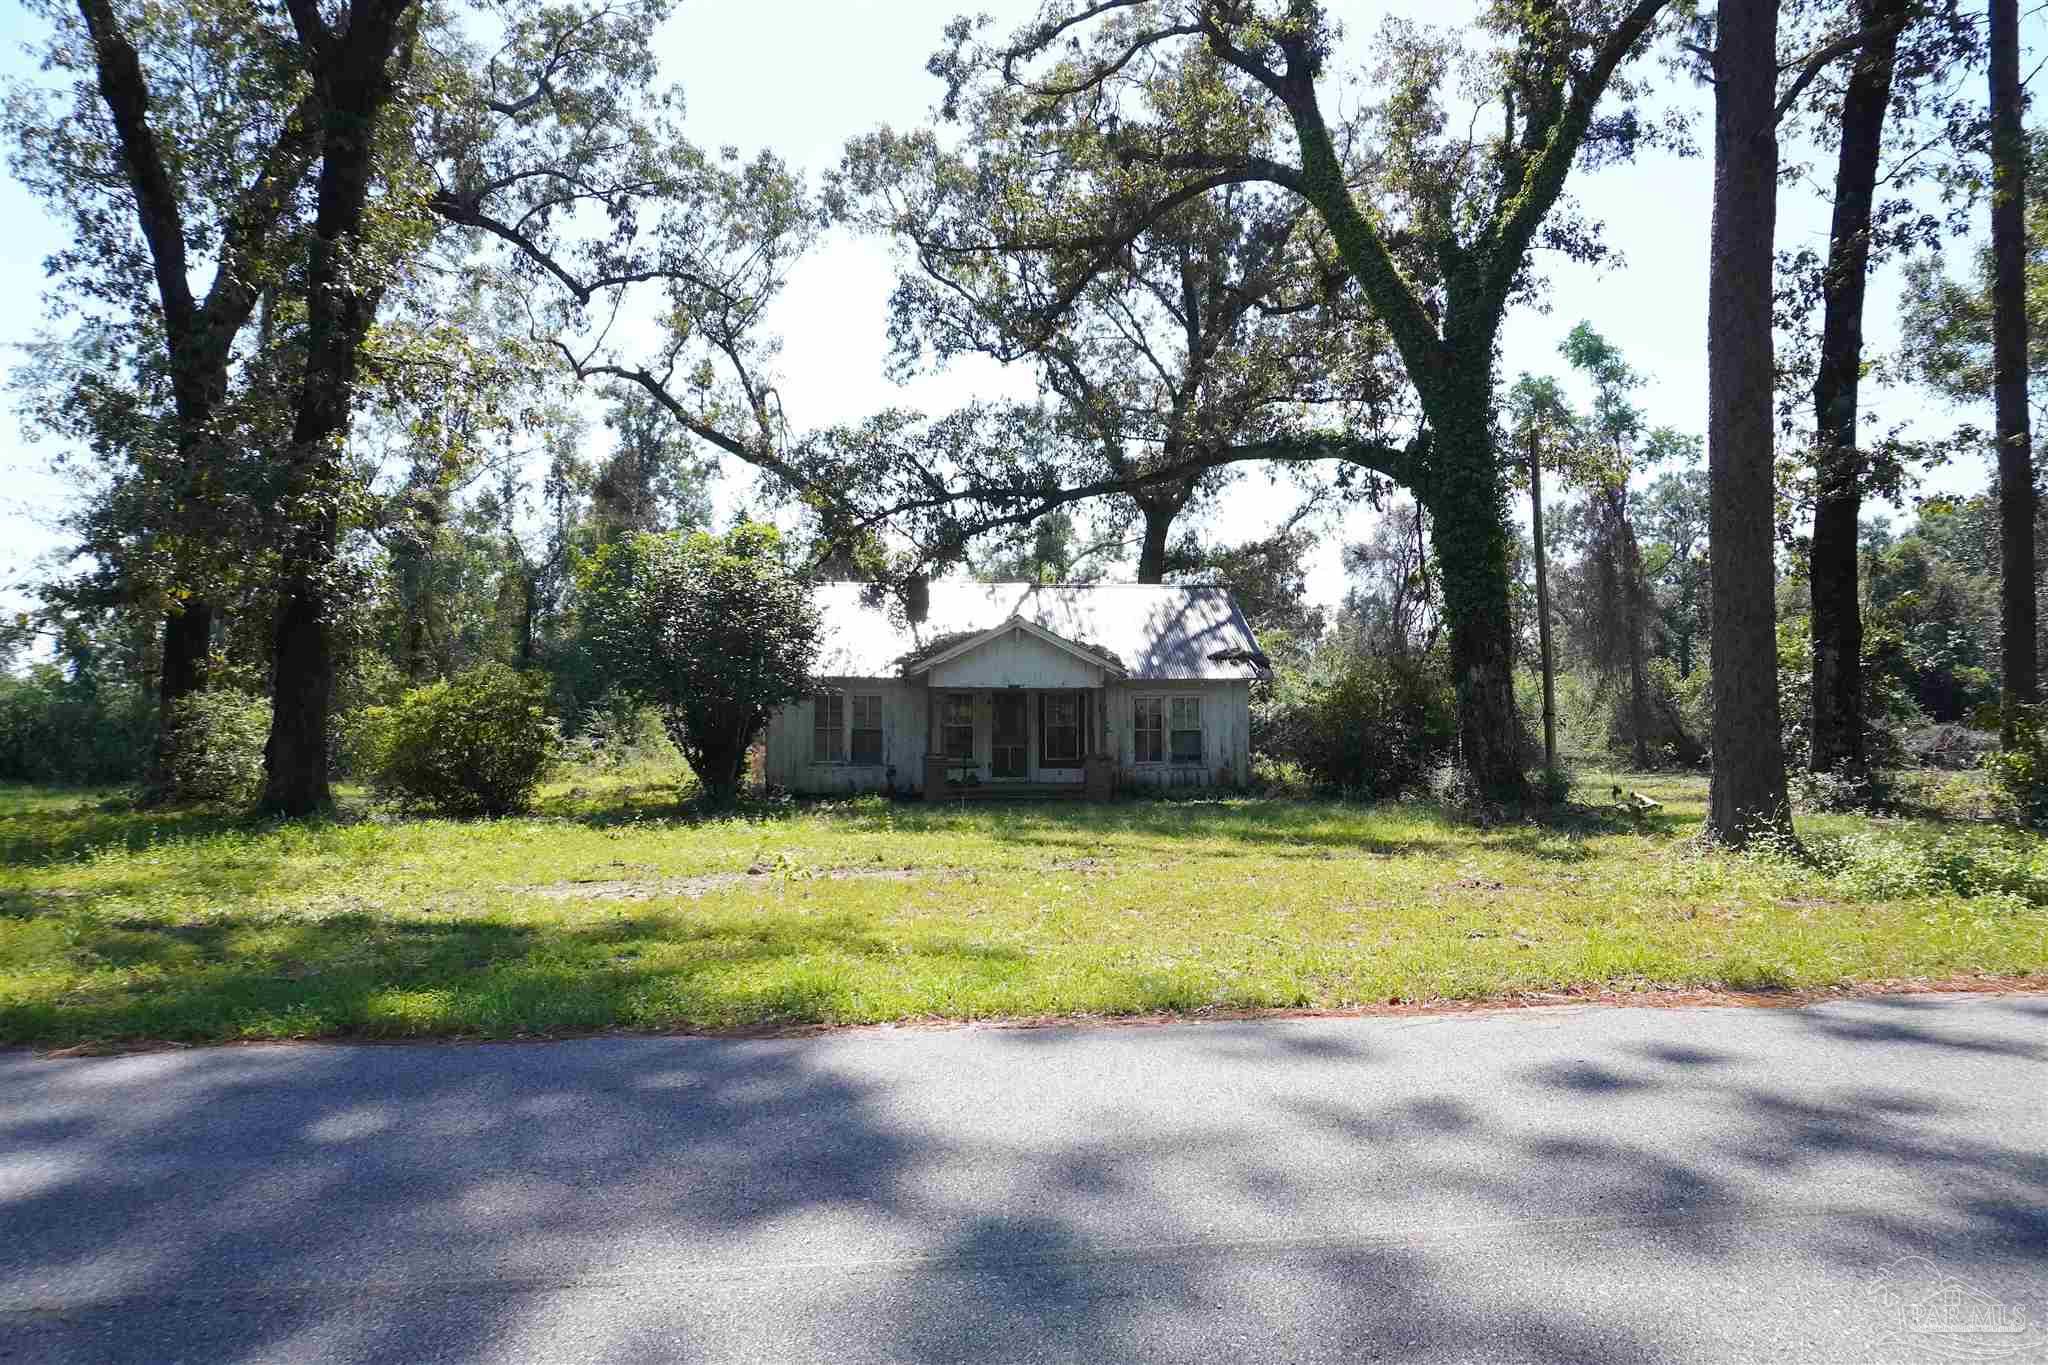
[[1017, 659], [906, 728], [789, 740], [1226, 734]]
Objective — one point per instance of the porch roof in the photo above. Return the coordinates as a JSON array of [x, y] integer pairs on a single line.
[[923, 661]]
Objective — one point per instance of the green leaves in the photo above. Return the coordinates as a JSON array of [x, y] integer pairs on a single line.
[[478, 744], [715, 631]]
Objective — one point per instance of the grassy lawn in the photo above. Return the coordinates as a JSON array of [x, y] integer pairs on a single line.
[[607, 911]]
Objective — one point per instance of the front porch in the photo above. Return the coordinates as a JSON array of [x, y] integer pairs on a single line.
[[1015, 743], [976, 790]]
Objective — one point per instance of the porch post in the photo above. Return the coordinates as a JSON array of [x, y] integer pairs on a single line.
[[1098, 765]]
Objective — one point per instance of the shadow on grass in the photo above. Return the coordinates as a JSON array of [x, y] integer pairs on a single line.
[[353, 975], [39, 826]]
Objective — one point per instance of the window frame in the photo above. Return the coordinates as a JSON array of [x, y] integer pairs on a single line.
[[1159, 736], [1047, 759], [823, 705], [854, 729], [948, 725], [1175, 731], [1155, 732]]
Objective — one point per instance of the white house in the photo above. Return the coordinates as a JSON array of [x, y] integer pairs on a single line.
[[1008, 688]]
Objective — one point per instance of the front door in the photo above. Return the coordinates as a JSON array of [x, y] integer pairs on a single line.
[[1009, 747]]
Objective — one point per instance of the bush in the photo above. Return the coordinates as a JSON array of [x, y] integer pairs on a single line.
[[478, 744], [67, 729], [1955, 747], [621, 735], [1841, 790], [1974, 864], [1280, 778], [1364, 724], [366, 680], [214, 748], [2019, 775], [716, 632]]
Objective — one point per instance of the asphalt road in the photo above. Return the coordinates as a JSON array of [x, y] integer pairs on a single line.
[[1857, 1182]]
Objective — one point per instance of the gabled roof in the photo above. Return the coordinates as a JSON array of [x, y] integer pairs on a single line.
[[1100, 658], [1152, 632]]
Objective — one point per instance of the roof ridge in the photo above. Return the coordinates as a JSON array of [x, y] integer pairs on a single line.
[[1029, 583]]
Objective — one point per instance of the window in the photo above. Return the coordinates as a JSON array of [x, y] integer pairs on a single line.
[[1187, 729], [1167, 729], [867, 730], [828, 728], [1059, 730], [956, 725], [1151, 730]]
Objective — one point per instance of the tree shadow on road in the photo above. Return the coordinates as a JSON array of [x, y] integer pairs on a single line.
[[612, 1196]]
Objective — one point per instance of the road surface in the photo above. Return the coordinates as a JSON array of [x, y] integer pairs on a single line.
[[1860, 1181]]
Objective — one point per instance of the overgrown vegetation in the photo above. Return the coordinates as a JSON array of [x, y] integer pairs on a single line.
[[213, 747], [1222, 238], [608, 910], [478, 744]]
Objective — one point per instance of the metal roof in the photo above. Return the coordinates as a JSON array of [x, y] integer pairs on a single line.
[[1157, 632]]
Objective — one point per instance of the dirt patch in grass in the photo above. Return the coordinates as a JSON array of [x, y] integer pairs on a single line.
[[1610, 997], [693, 888], [760, 874]]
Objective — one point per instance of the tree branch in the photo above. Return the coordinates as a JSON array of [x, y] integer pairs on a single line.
[[1816, 61], [1546, 176], [126, 92]]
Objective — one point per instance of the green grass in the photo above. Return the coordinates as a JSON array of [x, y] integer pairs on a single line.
[[609, 911]]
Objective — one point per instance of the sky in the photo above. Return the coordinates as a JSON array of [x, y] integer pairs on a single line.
[[800, 77]]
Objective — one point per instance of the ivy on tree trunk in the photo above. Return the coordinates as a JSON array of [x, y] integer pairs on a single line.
[[2016, 492]]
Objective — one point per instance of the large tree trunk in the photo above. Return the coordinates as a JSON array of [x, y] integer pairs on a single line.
[[1467, 506], [355, 71], [1748, 795], [1158, 505], [1542, 604], [197, 337], [1152, 550], [1839, 725], [2016, 495], [1634, 618]]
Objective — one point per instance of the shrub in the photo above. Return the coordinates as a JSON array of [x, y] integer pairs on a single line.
[[715, 632], [366, 680], [213, 750], [1364, 724], [620, 735], [58, 728], [2019, 775], [1281, 778], [1955, 747], [478, 744], [1975, 864]]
